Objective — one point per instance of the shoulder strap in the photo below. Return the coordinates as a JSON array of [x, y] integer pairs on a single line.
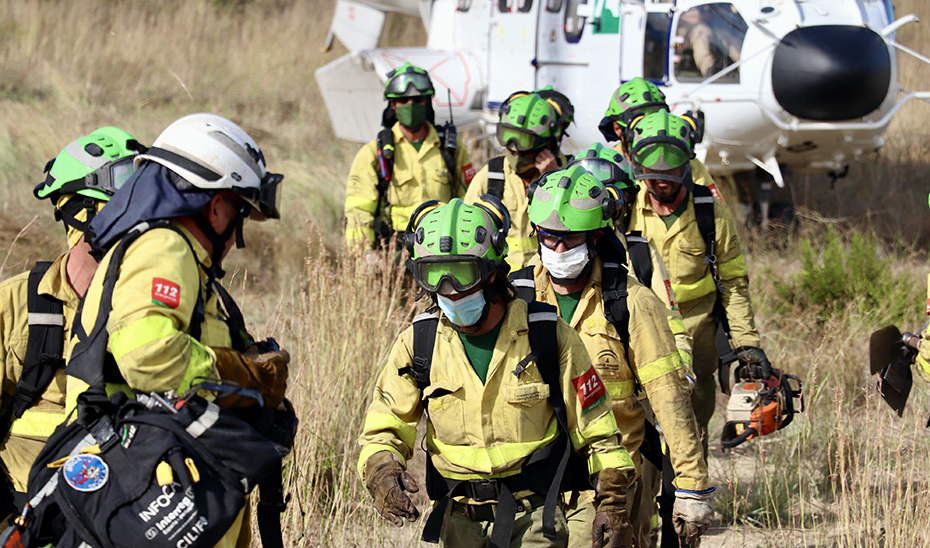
[[704, 213], [448, 143], [640, 256], [525, 284], [424, 340], [614, 290], [385, 171], [46, 320], [241, 339], [496, 177]]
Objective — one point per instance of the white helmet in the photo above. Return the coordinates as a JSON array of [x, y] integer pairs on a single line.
[[213, 153]]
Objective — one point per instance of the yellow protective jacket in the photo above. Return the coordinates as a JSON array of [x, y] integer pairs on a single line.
[[149, 325], [654, 366], [521, 241], [483, 431], [682, 248], [418, 176], [661, 285], [923, 357], [29, 433]]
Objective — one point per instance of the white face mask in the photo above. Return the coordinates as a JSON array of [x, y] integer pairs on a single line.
[[567, 265]]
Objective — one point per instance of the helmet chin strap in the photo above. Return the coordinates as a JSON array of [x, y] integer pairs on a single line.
[[667, 200], [218, 240]]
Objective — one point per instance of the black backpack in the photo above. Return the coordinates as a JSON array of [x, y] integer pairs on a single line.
[[160, 470]]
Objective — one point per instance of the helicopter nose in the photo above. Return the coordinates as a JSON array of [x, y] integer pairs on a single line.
[[831, 72]]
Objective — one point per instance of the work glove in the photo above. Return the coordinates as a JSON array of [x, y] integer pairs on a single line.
[[611, 516], [692, 514], [389, 484], [265, 372], [758, 362]]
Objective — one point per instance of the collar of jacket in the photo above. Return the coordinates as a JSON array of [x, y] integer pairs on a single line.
[[591, 292], [645, 210]]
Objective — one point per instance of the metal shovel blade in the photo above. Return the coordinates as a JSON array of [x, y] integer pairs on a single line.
[[884, 346]]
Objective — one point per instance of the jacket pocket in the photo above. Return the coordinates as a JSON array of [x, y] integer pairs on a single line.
[[689, 260], [445, 404]]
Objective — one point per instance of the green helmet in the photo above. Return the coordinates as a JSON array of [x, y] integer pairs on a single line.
[[456, 246], [661, 142], [528, 122], [563, 107], [94, 166], [571, 200], [632, 99], [608, 165], [408, 81]]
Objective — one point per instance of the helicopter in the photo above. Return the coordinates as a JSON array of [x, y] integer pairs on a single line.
[[785, 86]]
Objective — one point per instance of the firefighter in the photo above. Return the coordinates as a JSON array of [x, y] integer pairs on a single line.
[[582, 271], [510, 396], [411, 161], [79, 181], [167, 328], [529, 129], [696, 236]]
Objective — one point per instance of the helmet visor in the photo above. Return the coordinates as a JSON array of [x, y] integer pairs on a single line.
[[108, 178], [461, 273], [265, 199], [517, 139], [606, 171], [408, 84]]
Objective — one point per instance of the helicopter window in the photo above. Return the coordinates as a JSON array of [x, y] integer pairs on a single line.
[[574, 23], [708, 39], [655, 46], [553, 6], [510, 6], [463, 5]]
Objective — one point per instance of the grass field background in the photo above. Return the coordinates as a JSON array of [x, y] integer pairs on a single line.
[[847, 473]]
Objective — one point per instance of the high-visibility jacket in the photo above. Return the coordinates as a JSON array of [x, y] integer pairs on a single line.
[[483, 431], [29, 433], [682, 248], [652, 363], [520, 240], [923, 357], [417, 176], [149, 324]]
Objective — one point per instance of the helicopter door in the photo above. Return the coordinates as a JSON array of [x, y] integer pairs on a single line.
[[578, 52], [645, 45], [512, 48]]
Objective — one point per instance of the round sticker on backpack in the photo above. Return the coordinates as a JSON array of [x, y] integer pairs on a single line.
[[86, 472]]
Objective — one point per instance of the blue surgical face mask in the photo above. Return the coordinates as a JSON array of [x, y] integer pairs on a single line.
[[465, 311]]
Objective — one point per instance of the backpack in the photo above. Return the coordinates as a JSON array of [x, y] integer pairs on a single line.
[[160, 470], [549, 470]]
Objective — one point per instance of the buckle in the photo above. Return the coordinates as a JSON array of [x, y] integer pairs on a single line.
[[482, 490]]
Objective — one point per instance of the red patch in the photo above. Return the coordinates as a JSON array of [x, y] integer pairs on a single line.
[[715, 192], [928, 307], [590, 390], [166, 292], [469, 173], [671, 299]]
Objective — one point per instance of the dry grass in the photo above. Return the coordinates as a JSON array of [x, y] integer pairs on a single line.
[[846, 474]]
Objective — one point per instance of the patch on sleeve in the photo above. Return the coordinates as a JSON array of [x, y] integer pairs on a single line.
[[714, 191], [671, 298], [928, 307], [468, 172], [591, 391], [166, 293]]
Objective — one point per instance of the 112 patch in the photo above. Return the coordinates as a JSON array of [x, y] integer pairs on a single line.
[[166, 293], [468, 172], [590, 389]]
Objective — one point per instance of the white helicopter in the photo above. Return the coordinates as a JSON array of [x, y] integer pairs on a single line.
[[786, 86]]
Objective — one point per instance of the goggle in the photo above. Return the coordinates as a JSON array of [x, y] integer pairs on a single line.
[[407, 84], [517, 139], [605, 171], [552, 240], [266, 198], [626, 117], [107, 178], [458, 273]]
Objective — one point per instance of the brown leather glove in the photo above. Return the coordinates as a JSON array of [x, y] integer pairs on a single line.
[[266, 373], [611, 515], [388, 484]]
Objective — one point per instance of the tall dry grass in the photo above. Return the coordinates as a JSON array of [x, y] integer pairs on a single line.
[[846, 474]]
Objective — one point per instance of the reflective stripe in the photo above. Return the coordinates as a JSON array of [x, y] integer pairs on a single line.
[[696, 290], [203, 423], [370, 450], [601, 428], [531, 284], [488, 459], [518, 244], [381, 422], [922, 362], [686, 360], [201, 365], [637, 239], [733, 269], [39, 318], [658, 368], [676, 325], [542, 317], [139, 333], [618, 458], [620, 390], [496, 175], [703, 199], [457, 476], [611, 265], [403, 213], [40, 424], [360, 233], [363, 204], [425, 316]]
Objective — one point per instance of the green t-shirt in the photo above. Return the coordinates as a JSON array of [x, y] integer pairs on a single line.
[[417, 145], [480, 348], [568, 304], [673, 216]]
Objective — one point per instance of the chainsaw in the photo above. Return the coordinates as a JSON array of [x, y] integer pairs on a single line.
[[758, 407]]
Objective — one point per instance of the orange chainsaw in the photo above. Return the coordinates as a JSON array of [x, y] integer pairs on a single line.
[[758, 407]]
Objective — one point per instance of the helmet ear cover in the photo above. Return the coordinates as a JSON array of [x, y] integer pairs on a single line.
[[614, 204], [492, 205], [410, 237], [696, 121], [530, 190], [629, 131]]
